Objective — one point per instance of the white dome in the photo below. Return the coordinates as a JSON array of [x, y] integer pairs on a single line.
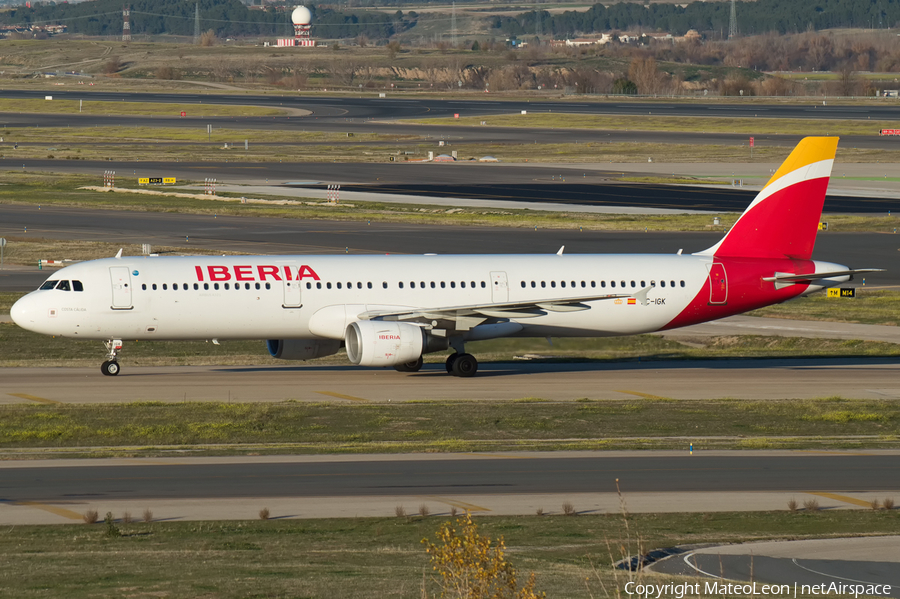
[[301, 16]]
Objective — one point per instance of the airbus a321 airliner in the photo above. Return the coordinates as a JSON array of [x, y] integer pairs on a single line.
[[390, 310]]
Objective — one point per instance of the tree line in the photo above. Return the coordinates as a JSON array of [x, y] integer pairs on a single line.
[[227, 18], [761, 16]]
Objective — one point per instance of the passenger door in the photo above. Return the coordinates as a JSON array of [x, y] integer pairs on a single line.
[[718, 284], [499, 288], [120, 277]]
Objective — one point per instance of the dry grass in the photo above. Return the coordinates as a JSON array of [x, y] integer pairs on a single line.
[[264, 514], [423, 511], [811, 505], [793, 505], [453, 511], [569, 509], [126, 518], [875, 504], [147, 515], [539, 511], [888, 503], [400, 511], [90, 517]]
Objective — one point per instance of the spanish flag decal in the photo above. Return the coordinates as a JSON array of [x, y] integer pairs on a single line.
[[631, 301]]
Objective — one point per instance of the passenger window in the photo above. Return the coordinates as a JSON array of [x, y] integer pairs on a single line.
[[623, 283], [594, 284], [612, 283], [247, 286], [412, 284], [543, 284], [196, 287], [268, 285], [573, 284], [483, 285], [339, 285], [523, 284], [327, 285], [227, 286], [462, 284], [401, 284], [682, 283], [166, 288], [473, 284], [77, 286], [583, 284], [633, 284], [671, 283], [318, 285], [432, 285], [384, 284], [533, 284], [452, 284], [257, 285], [205, 286], [443, 285], [369, 284], [174, 286], [562, 284], [349, 285], [359, 285], [553, 284], [643, 284], [662, 283], [154, 286], [215, 286]]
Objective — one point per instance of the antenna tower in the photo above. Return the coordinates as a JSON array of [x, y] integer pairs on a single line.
[[453, 25], [197, 24], [126, 24], [732, 23]]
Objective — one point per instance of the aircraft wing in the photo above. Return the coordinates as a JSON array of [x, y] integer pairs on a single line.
[[472, 315]]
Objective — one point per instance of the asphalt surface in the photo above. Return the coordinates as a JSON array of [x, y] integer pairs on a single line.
[[697, 473], [290, 236], [760, 379], [854, 561]]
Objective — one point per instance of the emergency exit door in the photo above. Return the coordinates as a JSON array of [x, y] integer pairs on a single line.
[[120, 278], [499, 288]]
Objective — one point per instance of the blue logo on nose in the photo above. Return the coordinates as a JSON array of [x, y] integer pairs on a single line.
[[134, 272]]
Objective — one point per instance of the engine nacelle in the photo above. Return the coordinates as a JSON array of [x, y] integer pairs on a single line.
[[379, 343], [302, 349]]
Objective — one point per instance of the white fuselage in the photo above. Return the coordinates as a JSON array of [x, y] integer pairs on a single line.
[[310, 297]]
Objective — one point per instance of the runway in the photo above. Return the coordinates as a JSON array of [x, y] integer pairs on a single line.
[[342, 486], [762, 379]]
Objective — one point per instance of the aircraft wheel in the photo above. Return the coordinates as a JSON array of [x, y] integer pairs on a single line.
[[110, 368], [413, 366], [450, 360], [465, 365]]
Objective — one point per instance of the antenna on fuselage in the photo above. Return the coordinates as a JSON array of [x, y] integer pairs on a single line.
[[559, 253], [119, 253]]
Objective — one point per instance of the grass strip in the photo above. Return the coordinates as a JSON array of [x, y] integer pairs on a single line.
[[750, 126], [370, 557], [157, 428], [192, 107]]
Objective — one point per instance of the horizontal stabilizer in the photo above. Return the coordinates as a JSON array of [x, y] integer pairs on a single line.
[[783, 279]]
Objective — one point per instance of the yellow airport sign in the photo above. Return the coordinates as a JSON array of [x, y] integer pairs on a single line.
[[842, 292], [156, 181]]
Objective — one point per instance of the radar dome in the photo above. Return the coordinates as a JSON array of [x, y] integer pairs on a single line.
[[301, 16]]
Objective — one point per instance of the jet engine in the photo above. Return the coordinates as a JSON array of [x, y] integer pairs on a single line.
[[302, 349], [379, 343]]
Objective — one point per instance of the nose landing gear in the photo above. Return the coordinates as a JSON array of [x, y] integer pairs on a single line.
[[111, 366]]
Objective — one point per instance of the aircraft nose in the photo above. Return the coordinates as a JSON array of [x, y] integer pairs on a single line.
[[21, 314]]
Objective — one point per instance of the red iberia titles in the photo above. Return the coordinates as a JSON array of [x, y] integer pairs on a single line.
[[259, 272]]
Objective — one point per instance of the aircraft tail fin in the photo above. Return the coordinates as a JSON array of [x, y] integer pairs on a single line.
[[783, 219]]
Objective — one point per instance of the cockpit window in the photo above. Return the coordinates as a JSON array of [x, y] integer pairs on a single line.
[[64, 286], [49, 284], [77, 286]]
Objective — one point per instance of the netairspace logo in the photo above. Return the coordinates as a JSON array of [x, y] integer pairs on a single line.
[[714, 587]]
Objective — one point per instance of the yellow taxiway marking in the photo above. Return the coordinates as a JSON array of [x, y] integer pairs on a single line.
[[844, 498], [469, 507], [33, 398], [639, 394], [59, 511], [340, 395]]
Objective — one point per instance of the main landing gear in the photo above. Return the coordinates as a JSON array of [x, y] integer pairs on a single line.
[[111, 366], [462, 364]]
